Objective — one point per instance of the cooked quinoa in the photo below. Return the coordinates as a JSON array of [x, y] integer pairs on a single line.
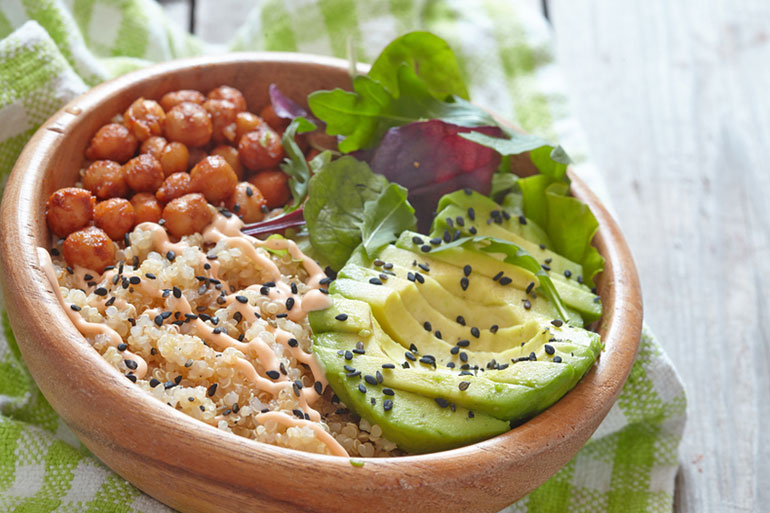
[[144, 300]]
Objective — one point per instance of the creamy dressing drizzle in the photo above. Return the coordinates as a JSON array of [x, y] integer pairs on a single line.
[[228, 230]]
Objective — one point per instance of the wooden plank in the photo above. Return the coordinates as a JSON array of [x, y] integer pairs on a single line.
[[673, 97]]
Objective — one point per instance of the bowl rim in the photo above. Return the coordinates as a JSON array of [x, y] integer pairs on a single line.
[[596, 392]]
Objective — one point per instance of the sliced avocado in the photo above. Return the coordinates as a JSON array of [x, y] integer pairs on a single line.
[[414, 422], [482, 208], [433, 399]]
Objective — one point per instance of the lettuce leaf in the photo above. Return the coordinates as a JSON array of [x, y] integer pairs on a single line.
[[347, 203], [429, 56], [295, 164]]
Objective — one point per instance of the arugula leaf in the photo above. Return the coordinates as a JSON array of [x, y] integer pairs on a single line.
[[432, 60], [334, 210], [385, 218], [365, 114], [295, 165], [517, 256]]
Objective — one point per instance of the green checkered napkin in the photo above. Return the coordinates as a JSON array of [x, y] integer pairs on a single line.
[[51, 51]]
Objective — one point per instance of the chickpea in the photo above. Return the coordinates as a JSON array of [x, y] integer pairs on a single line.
[[112, 142], [144, 118], [144, 173], [230, 154], [68, 210], [271, 118], [213, 177], [313, 153], [230, 94], [260, 149], [105, 179], [174, 98], [189, 124], [274, 186], [154, 146], [175, 158], [196, 155], [90, 248], [246, 202], [146, 208], [245, 122], [187, 215], [223, 115], [175, 186], [115, 216]]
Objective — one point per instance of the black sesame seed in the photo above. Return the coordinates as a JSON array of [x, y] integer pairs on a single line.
[[413, 348], [387, 405], [470, 414], [464, 283], [463, 343], [361, 388], [497, 276], [557, 359], [170, 256], [505, 280], [447, 236], [289, 303], [348, 368], [169, 384], [131, 377], [494, 328], [557, 322], [472, 230], [417, 240], [549, 349], [471, 214], [177, 292], [410, 276], [283, 369], [298, 413], [426, 325], [388, 366], [527, 304], [410, 356], [464, 385], [424, 267], [158, 320], [370, 379], [419, 278], [131, 364], [353, 374], [405, 365], [154, 382], [379, 377], [460, 221], [425, 248], [101, 291], [545, 267], [455, 350], [273, 374], [450, 222], [443, 403], [318, 387], [435, 241], [437, 334], [242, 299], [567, 273], [325, 281], [533, 356], [461, 320], [456, 235], [375, 281], [464, 357], [341, 317], [475, 332], [134, 280], [348, 355], [522, 220], [293, 342], [451, 365], [467, 270]]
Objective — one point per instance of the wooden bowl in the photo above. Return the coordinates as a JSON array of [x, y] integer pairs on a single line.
[[195, 467]]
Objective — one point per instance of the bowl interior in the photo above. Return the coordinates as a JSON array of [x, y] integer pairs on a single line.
[[147, 442]]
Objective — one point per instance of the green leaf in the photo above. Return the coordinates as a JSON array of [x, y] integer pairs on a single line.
[[295, 164], [385, 218], [334, 210], [429, 56], [364, 115], [517, 256]]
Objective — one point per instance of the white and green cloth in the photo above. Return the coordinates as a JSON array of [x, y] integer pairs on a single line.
[[53, 50]]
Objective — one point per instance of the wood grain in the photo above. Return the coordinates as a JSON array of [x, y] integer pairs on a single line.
[[674, 98], [193, 466]]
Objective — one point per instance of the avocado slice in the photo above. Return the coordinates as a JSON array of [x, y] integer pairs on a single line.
[[433, 403]]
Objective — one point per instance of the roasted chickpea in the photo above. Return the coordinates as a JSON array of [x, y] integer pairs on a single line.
[[112, 142], [230, 154], [115, 216], [144, 118], [144, 173], [274, 186], [271, 118], [313, 153], [187, 215], [213, 177], [68, 210], [223, 115], [174, 186], [105, 179], [90, 248], [189, 124], [247, 202], [245, 122], [230, 94], [146, 207], [196, 155], [175, 158], [174, 98], [260, 149], [154, 146]]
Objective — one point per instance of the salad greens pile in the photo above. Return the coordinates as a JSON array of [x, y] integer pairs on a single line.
[[412, 135]]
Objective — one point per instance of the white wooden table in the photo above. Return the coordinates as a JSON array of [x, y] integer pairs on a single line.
[[674, 96]]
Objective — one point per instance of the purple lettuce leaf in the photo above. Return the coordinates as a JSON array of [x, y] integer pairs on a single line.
[[278, 224], [430, 159], [287, 108]]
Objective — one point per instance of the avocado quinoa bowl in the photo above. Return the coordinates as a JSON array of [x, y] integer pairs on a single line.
[[329, 325]]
